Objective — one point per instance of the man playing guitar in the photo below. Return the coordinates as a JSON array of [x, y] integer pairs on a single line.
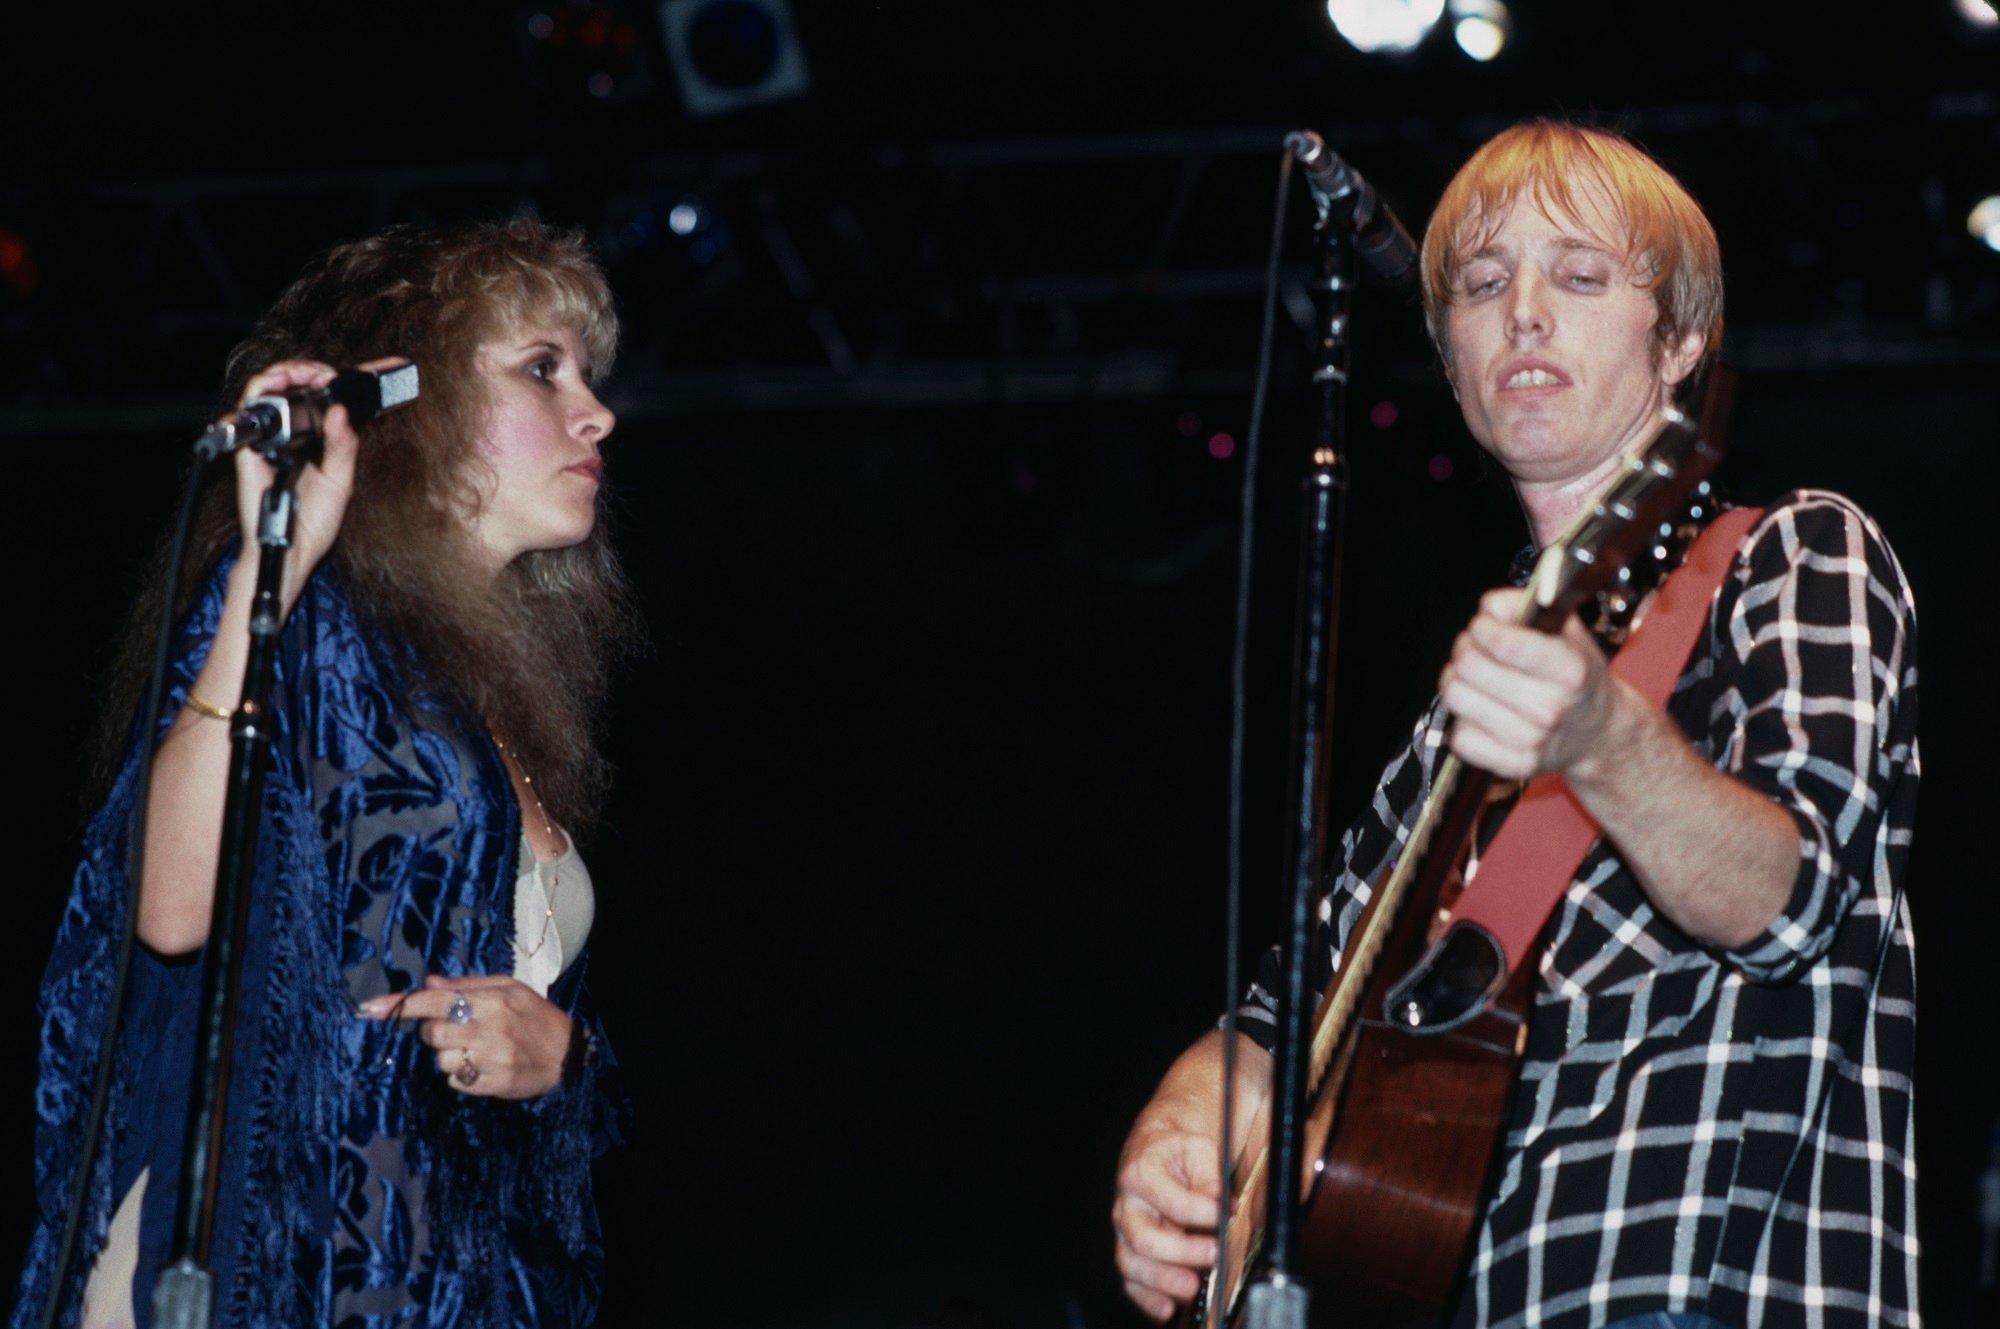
[[1713, 1114]]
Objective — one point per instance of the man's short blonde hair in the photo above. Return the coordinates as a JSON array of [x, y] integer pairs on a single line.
[[1668, 242]]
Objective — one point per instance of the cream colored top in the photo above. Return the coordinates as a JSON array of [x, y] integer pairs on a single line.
[[554, 907]]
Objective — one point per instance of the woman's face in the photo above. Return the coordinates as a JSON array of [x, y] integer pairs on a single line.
[[543, 429]]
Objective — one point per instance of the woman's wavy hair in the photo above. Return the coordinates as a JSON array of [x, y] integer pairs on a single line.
[[528, 655], [1669, 242]]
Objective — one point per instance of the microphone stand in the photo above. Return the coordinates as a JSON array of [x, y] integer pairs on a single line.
[[1276, 1299], [184, 1296]]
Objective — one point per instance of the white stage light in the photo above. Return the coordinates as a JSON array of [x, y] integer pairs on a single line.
[[1481, 27], [1984, 223], [1978, 12], [685, 217], [1384, 25]]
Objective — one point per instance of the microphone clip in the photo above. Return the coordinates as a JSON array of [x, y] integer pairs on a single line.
[[263, 424], [286, 427], [1349, 207]]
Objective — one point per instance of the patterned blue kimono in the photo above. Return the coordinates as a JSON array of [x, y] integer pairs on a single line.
[[357, 1187]]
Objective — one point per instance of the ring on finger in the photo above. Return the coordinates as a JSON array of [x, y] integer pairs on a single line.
[[467, 1074], [460, 1010]]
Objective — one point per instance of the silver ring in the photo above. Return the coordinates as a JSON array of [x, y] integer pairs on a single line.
[[467, 1074], [460, 1011]]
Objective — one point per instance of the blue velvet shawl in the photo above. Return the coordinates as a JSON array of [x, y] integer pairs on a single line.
[[357, 1187]]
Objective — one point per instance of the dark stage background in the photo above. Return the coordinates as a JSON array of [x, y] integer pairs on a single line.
[[931, 427]]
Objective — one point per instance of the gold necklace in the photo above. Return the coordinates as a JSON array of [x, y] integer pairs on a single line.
[[549, 891]]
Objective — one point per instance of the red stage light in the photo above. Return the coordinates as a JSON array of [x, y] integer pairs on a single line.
[[585, 45], [18, 276]]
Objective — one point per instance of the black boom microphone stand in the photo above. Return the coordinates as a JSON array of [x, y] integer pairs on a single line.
[[1352, 222], [184, 1296]]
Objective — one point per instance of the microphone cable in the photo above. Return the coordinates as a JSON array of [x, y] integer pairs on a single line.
[[1238, 722], [100, 1092]]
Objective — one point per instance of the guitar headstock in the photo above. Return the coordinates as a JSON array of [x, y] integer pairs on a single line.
[[1636, 515], [1610, 615]]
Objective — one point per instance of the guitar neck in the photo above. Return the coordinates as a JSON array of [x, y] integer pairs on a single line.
[[1458, 792]]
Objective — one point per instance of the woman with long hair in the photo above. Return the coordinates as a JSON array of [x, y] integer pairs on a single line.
[[417, 1084]]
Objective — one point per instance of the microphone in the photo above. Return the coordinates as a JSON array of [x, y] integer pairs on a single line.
[[1379, 238], [266, 423]]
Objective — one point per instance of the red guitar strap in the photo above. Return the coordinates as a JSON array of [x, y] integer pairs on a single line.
[[1530, 862]]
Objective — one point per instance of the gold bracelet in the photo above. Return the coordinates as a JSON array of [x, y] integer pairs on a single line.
[[202, 706]]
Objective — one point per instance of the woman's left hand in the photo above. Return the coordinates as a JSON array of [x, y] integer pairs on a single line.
[[494, 1035]]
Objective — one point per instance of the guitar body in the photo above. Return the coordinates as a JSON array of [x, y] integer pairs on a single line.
[[1401, 1176], [1400, 1132]]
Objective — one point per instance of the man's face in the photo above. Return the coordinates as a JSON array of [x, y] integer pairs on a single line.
[[1553, 352]]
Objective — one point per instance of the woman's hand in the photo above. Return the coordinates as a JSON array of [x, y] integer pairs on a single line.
[[505, 1040], [322, 489]]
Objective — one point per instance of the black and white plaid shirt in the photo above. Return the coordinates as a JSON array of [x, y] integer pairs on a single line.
[[1721, 1130]]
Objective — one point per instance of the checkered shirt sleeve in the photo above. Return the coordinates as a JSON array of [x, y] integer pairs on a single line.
[[1707, 1129]]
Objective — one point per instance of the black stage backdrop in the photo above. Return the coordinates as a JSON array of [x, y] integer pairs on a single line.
[[913, 880]]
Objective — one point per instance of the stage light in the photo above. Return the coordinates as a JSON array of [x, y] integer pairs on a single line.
[[685, 217], [586, 46], [1981, 13], [1984, 223], [1384, 25], [730, 54], [18, 275], [1481, 27]]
